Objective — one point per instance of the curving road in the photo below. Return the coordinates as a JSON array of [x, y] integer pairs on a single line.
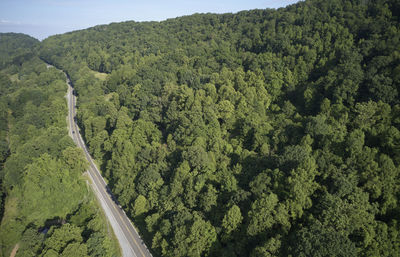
[[129, 240]]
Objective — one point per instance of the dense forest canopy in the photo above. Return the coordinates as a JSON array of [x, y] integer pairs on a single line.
[[45, 206], [259, 133], [15, 48]]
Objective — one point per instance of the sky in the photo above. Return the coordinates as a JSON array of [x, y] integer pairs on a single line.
[[43, 18]]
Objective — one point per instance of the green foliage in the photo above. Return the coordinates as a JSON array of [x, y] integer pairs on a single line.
[[15, 48], [232, 220], [75, 249], [47, 209], [262, 133], [48, 189], [140, 205], [74, 159], [194, 239], [317, 240], [63, 236], [266, 213], [30, 243]]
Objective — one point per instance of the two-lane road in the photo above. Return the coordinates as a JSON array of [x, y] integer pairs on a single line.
[[130, 242]]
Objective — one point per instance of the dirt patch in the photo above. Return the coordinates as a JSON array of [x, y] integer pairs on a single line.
[[14, 251]]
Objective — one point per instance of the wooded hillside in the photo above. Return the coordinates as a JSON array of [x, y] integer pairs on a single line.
[[46, 206], [260, 133]]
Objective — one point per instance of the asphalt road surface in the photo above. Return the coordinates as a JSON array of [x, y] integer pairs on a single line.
[[129, 240]]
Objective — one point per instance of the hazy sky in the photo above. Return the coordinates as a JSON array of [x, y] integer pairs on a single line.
[[42, 18]]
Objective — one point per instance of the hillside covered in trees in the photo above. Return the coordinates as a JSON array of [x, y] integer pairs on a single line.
[[46, 207], [260, 133]]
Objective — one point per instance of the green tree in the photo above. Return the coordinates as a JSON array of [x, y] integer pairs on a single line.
[[266, 213], [64, 236], [49, 189], [195, 239], [232, 220], [140, 205]]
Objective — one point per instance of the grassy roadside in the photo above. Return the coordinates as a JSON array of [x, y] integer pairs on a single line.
[[107, 229]]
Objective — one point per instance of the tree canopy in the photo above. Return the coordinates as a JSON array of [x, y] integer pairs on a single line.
[[260, 133], [45, 204], [276, 130]]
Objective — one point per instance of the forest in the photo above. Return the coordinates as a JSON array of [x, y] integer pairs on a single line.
[[46, 206], [260, 133], [269, 132]]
